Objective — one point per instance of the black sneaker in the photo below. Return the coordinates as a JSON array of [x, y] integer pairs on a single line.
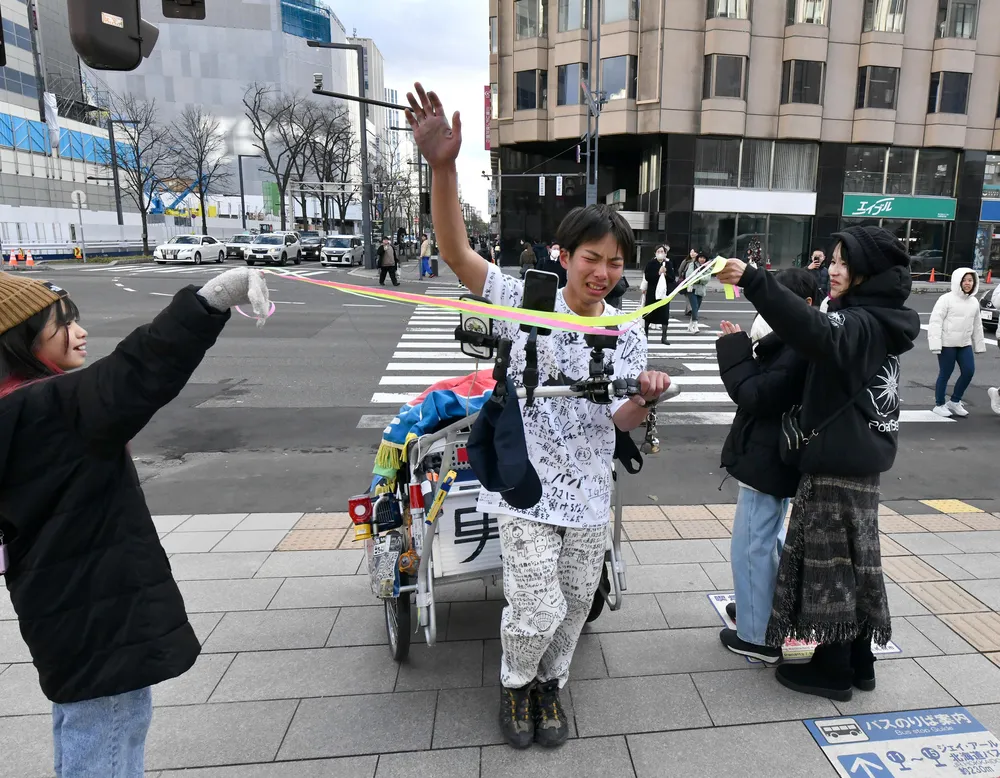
[[732, 641], [731, 611], [551, 727], [516, 723]]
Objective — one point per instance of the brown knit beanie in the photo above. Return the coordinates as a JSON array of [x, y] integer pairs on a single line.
[[21, 298]]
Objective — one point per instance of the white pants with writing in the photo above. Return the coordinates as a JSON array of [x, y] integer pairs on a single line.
[[550, 575]]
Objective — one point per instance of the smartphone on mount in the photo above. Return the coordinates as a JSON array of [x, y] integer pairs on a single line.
[[540, 288]]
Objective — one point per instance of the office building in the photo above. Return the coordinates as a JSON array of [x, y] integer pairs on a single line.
[[756, 128]]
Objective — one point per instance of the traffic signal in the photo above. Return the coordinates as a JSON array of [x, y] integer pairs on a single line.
[[110, 34], [184, 9], [425, 203]]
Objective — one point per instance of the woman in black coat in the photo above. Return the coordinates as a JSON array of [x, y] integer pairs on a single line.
[[90, 583], [659, 266]]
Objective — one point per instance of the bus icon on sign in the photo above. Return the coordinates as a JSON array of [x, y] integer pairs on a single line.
[[841, 731]]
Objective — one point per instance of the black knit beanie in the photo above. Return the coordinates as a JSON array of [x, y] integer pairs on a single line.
[[872, 250]]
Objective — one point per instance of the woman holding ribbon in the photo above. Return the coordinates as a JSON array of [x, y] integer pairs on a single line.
[[658, 280]]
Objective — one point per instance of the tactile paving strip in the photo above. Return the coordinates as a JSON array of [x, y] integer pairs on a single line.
[[951, 506], [982, 630], [979, 521], [890, 547], [725, 511], [701, 529], [944, 597], [909, 569], [324, 521], [312, 539], [642, 513], [939, 523], [893, 524], [649, 530], [688, 513]]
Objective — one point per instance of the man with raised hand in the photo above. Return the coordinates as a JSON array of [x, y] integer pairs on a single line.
[[553, 552]]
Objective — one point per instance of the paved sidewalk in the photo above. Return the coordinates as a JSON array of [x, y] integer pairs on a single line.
[[295, 680]]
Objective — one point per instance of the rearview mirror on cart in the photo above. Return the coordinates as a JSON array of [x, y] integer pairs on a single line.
[[475, 331]]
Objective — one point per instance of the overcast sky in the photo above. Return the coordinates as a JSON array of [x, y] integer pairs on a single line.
[[444, 44]]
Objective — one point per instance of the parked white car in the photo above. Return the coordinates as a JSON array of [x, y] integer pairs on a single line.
[[237, 245], [190, 248], [342, 250], [274, 248]]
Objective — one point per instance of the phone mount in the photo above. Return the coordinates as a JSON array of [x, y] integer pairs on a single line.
[[475, 334]]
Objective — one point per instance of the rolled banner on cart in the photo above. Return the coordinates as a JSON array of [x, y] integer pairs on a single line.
[[441, 403], [598, 325]]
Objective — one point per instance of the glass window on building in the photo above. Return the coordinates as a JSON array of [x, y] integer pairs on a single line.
[[926, 244], [493, 35], [494, 100], [884, 16], [899, 172], [543, 89], [783, 241], [788, 240], [306, 19], [957, 18], [936, 171], [864, 170], [802, 82], [526, 88], [725, 76], [728, 9], [949, 93], [572, 15], [620, 10], [568, 88], [618, 77], [806, 12], [795, 166], [755, 165], [530, 19], [877, 87], [717, 162]]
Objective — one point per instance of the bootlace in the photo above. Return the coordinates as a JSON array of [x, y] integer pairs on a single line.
[[520, 705], [547, 705]]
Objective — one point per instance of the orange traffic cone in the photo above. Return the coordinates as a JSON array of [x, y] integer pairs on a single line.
[[30, 262], [932, 275], [989, 276], [13, 259]]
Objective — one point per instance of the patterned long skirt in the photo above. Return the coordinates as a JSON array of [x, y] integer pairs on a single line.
[[830, 586]]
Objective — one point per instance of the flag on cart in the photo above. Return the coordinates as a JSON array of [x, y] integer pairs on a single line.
[[442, 403]]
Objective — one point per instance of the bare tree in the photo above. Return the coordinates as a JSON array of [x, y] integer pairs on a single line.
[[281, 131], [390, 176], [145, 152], [331, 155], [201, 154]]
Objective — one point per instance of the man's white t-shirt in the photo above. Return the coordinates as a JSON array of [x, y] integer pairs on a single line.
[[570, 441]]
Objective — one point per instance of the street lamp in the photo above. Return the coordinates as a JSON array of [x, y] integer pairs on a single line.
[[420, 181], [366, 198], [243, 202]]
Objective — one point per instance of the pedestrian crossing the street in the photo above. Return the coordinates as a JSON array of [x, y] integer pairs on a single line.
[[427, 352]]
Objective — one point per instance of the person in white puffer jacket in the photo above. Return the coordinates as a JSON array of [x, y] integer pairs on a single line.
[[994, 391], [955, 333]]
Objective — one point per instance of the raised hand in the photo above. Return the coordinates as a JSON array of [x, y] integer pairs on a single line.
[[728, 328], [732, 272], [438, 142]]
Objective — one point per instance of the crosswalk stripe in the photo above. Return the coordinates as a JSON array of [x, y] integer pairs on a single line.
[[427, 380]]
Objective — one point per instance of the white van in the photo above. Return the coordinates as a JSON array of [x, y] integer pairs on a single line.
[[342, 250]]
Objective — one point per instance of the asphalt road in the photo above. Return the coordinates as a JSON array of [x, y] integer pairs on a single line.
[[270, 420]]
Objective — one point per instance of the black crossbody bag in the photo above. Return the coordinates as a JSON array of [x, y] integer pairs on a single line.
[[793, 440]]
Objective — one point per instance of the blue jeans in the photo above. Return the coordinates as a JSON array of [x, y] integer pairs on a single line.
[[758, 537], [695, 301], [104, 737], [946, 366]]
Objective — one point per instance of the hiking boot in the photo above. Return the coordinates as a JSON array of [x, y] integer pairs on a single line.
[[551, 727], [516, 723], [828, 674], [863, 664], [731, 611], [734, 643]]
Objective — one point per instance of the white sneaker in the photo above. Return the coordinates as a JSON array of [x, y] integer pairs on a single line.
[[957, 408], [942, 410], [693, 327], [994, 394]]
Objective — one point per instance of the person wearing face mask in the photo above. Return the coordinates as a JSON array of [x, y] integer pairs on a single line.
[[691, 258], [552, 264], [696, 292], [955, 333], [658, 280]]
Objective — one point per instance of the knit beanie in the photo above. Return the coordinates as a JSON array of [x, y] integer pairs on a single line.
[[872, 250], [21, 298]]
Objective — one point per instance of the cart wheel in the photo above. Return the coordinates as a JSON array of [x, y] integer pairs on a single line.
[[397, 624], [600, 596]]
